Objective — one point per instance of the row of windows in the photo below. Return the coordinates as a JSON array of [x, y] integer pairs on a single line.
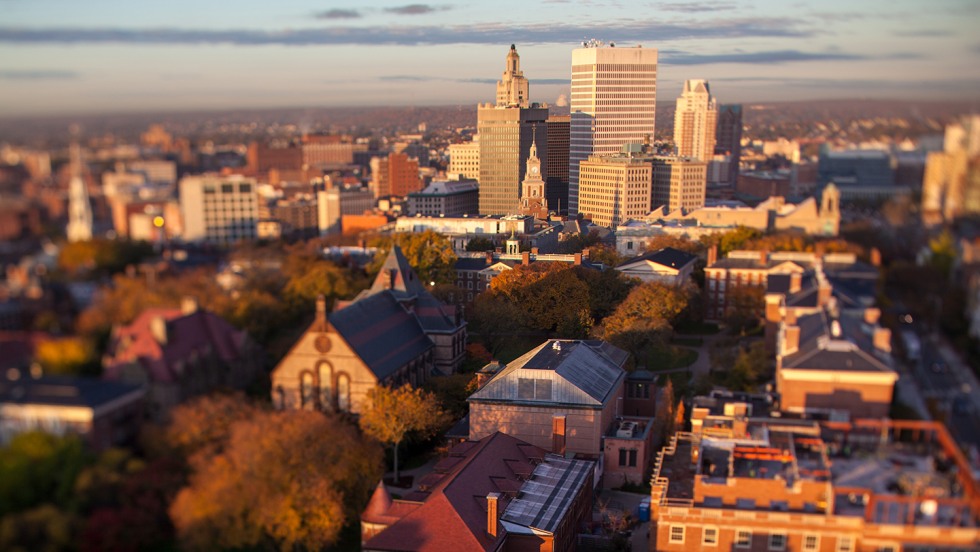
[[743, 539]]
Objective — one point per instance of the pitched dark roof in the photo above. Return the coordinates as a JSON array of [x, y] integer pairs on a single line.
[[64, 391], [820, 350], [397, 276], [668, 256], [470, 263], [382, 333], [807, 296]]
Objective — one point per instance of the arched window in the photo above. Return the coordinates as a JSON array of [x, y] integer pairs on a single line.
[[280, 398], [343, 392], [307, 390], [325, 372]]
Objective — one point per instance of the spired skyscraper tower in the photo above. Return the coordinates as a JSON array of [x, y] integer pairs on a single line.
[[614, 101], [507, 131], [695, 120], [79, 209]]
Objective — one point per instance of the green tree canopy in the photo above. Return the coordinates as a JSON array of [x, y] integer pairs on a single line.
[[430, 254]]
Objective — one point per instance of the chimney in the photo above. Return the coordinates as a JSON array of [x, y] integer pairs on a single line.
[[158, 329], [391, 278], [875, 256], [188, 305], [534, 251], [492, 499], [791, 339], [321, 309], [790, 317], [489, 257], [795, 282], [763, 257], [712, 255], [824, 293], [773, 304], [871, 316], [578, 259], [585, 253], [525, 258], [883, 339]]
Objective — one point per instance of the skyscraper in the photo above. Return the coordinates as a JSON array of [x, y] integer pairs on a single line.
[[695, 120], [728, 138], [507, 130], [557, 170], [614, 100]]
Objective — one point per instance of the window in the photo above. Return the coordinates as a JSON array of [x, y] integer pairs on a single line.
[[777, 541], [710, 536], [676, 534], [622, 457], [632, 462], [743, 538], [811, 543], [845, 544]]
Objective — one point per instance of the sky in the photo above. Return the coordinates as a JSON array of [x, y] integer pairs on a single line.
[[68, 57]]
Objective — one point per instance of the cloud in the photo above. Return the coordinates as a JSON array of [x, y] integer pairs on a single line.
[[37, 74], [921, 33], [694, 7], [339, 14], [416, 9], [766, 57], [475, 80], [648, 31]]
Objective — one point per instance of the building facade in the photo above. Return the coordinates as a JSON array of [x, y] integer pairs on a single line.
[[614, 189], [445, 198], [219, 209], [395, 175], [464, 159], [678, 182], [728, 138], [613, 102], [951, 185], [557, 162], [695, 121], [333, 204]]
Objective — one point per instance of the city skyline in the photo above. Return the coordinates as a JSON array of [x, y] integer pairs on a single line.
[[63, 57]]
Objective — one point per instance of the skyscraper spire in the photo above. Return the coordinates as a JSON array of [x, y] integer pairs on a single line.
[[512, 88], [79, 209]]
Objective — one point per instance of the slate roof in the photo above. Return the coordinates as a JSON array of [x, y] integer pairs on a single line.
[[382, 333], [186, 334], [820, 350], [583, 373], [668, 256], [452, 515], [807, 296], [64, 391]]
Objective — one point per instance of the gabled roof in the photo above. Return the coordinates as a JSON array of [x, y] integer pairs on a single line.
[[819, 349], [453, 513], [583, 373], [64, 391], [383, 334], [397, 276], [187, 335], [667, 257]]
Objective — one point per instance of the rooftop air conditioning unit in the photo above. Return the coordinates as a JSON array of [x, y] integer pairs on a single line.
[[626, 430]]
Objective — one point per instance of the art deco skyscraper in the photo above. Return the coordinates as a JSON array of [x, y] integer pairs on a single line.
[[507, 130], [614, 100], [695, 120], [728, 138]]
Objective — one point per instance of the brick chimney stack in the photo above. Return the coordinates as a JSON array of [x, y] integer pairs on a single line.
[[492, 501]]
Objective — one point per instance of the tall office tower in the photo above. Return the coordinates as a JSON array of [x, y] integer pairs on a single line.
[[678, 182], [79, 209], [728, 138], [557, 169], [695, 120], [615, 188], [614, 100], [464, 159], [219, 209], [951, 184], [512, 88], [506, 132]]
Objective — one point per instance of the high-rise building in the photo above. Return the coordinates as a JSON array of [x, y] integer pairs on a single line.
[[79, 209], [678, 182], [557, 162], [728, 138], [335, 202], [464, 159], [951, 185], [614, 99], [219, 209], [507, 130], [395, 175], [694, 121], [614, 188]]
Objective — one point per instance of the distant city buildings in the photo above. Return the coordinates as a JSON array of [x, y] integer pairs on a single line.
[[678, 182], [464, 159], [79, 207], [728, 138], [557, 162], [448, 198], [951, 186], [338, 201], [395, 175], [219, 209], [613, 102], [695, 121], [507, 130]]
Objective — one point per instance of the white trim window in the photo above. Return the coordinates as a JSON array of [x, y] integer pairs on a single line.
[[811, 542], [777, 541], [743, 538], [676, 534], [845, 544], [709, 536]]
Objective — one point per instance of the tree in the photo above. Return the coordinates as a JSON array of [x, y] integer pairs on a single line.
[[308, 277], [392, 414], [38, 468], [731, 240], [496, 319], [644, 320], [430, 254], [656, 243], [284, 479], [201, 427], [480, 243], [67, 356], [746, 307]]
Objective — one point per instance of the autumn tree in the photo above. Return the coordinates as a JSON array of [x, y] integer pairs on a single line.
[[202, 426], [746, 306], [656, 243], [284, 479], [67, 356], [101, 255], [645, 317], [429, 253], [480, 243], [36, 468], [392, 414], [308, 276], [549, 294], [731, 240]]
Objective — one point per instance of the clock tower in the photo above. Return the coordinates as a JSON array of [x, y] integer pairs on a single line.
[[533, 201]]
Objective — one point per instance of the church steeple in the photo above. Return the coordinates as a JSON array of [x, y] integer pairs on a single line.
[[79, 210], [533, 200], [512, 88]]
